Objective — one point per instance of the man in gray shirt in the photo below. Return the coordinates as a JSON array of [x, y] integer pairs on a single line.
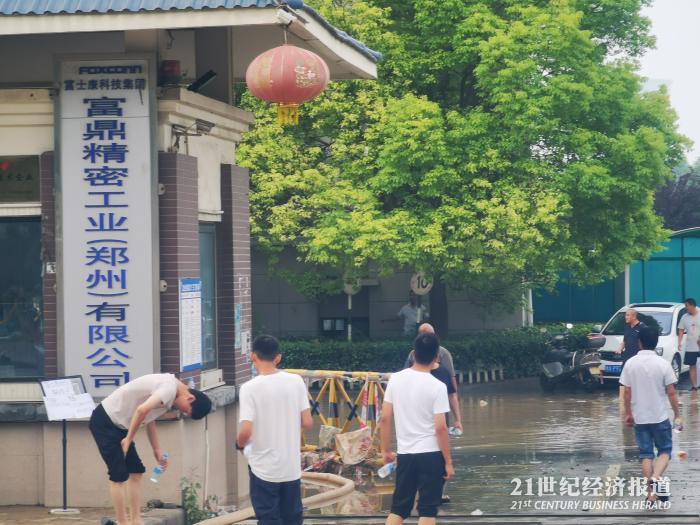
[[445, 360]]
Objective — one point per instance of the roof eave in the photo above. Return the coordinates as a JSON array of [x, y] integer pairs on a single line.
[[354, 59]]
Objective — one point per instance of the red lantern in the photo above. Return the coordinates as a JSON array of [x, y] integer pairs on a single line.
[[289, 76]]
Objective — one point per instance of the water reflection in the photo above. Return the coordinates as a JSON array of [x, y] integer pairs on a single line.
[[522, 433]]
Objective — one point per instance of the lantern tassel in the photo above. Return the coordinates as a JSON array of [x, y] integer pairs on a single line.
[[288, 114]]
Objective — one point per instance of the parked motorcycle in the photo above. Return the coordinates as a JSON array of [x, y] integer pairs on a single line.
[[561, 364]]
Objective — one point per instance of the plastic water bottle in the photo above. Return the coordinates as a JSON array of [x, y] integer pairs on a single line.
[[158, 470], [386, 470], [677, 425], [454, 431], [248, 449]]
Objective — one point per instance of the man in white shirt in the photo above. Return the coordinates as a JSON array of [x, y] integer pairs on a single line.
[[410, 313], [115, 421], [648, 380], [690, 326], [274, 407], [418, 402]]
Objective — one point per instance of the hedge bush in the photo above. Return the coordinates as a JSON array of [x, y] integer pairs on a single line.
[[518, 351]]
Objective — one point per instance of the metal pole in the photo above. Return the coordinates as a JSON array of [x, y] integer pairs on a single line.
[[65, 467], [349, 318], [65, 509]]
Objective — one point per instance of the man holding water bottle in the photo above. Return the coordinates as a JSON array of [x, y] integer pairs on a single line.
[[274, 408], [115, 421], [418, 402], [648, 380]]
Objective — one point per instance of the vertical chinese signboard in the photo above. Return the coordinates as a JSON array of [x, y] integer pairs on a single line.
[[106, 188]]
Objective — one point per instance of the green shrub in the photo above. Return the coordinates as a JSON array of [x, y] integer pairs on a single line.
[[518, 351]]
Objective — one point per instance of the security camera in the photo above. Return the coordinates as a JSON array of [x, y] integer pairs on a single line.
[[285, 18], [203, 127]]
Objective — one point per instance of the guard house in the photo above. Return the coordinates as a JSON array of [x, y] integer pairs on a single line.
[[124, 221]]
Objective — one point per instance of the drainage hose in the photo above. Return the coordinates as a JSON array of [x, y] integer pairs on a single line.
[[340, 488]]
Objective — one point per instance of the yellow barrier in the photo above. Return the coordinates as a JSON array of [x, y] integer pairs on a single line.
[[364, 409]]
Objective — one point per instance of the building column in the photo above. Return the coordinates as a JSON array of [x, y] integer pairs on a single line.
[[233, 273], [179, 246], [48, 255]]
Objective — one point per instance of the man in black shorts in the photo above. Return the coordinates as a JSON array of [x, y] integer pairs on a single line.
[[418, 403], [689, 329], [116, 420]]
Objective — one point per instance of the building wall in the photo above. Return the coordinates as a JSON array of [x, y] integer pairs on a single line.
[[26, 121], [30, 59], [32, 471], [277, 307], [281, 310]]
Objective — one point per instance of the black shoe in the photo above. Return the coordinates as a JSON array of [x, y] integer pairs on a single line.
[[693, 388], [659, 497], [445, 499], [107, 521]]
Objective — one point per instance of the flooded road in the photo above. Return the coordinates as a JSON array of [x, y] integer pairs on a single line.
[[522, 433]]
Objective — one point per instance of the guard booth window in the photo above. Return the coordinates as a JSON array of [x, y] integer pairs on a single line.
[[21, 299], [207, 265]]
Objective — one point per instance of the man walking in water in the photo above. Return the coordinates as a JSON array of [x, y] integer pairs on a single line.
[[418, 401], [648, 380]]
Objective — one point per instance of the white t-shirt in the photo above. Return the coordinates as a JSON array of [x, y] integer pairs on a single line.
[[690, 324], [410, 317], [648, 375], [274, 403], [416, 397], [121, 404]]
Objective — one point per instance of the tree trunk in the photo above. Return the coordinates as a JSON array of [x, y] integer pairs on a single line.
[[438, 308]]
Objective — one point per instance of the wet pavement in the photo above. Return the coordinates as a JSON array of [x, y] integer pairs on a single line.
[[515, 432], [519, 433]]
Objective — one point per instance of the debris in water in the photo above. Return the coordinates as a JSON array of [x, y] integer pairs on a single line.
[[483, 403]]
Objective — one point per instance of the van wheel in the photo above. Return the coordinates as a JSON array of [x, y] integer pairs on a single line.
[[676, 365]]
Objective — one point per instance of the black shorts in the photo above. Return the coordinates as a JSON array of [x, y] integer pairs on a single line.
[[423, 473], [691, 358], [108, 437]]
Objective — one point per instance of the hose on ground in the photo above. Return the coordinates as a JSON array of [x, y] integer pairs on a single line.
[[340, 488]]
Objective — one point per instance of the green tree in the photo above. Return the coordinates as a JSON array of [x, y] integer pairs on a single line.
[[503, 143]]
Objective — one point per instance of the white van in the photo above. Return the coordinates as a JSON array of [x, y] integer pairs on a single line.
[[665, 316]]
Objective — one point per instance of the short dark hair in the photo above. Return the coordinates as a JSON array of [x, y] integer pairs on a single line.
[[690, 301], [648, 337], [266, 347], [426, 348], [201, 405]]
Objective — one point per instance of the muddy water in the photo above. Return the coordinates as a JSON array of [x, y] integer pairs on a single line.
[[523, 433]]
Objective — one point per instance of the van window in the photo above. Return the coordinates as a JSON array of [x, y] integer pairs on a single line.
[[660, 320]]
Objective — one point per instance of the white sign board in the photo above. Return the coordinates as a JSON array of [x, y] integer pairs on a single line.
[[190, 324], [352, 287], [66, 398], [420, 284], [106, 186], [246, 344]]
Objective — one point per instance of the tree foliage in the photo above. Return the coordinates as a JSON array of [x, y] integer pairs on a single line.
[[504, 142]]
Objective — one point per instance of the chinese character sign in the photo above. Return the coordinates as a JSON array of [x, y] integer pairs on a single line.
[[106, 186]]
